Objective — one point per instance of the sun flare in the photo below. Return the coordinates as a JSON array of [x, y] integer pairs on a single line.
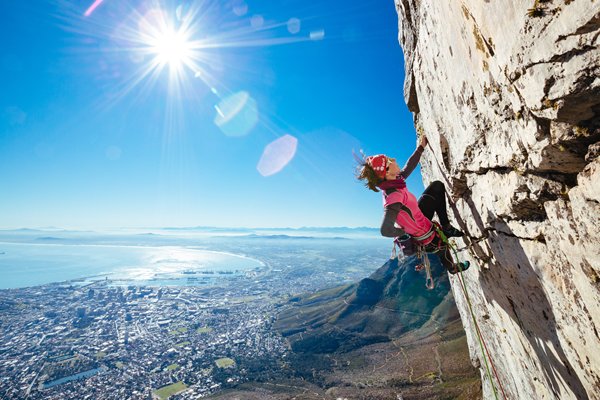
[[186, 50], [168, 43], [172, 48]]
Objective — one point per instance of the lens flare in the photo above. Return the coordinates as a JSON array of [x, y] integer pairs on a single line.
[[317, 35], [236, 114], [180, 54], [277, 155], [93, 7], [293, 25]]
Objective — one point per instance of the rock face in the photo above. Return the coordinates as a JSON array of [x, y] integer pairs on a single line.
[[508, 93]]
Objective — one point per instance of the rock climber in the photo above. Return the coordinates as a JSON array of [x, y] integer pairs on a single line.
[[406, 219]]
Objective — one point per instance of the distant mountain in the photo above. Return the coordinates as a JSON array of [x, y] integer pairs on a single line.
[[333, 229], [343, 229], [50, 239], [389, 303], [45, 229], [206, 229], [282, 236]]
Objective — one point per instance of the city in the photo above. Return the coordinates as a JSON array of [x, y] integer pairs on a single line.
[[76, 339]]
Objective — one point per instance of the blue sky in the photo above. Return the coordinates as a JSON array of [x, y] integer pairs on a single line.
[[82, 146]]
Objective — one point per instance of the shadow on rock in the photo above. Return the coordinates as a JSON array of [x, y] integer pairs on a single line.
[[513, 283]]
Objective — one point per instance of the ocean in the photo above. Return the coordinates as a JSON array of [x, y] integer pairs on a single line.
[[27, 264]]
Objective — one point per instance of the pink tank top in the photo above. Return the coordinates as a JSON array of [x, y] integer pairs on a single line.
[[410, 219]]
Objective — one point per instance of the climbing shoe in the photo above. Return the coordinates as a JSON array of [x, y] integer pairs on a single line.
[[463, 267], [451, 231]]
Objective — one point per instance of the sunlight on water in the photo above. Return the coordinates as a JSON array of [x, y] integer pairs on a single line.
[[35, 264], [236, 114], [277, 155]]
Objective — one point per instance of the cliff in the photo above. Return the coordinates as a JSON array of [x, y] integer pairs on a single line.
[[508, 93]]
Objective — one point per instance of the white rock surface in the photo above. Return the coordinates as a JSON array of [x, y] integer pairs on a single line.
[[508, 93]]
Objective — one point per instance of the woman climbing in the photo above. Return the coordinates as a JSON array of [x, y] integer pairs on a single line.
[[403, 215]]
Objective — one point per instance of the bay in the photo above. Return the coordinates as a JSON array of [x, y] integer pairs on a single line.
[[26, 264]]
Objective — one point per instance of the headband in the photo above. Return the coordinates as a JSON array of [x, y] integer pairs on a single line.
[[378, 163]]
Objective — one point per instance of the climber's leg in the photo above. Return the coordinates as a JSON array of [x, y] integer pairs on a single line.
[[445, 255], [433, 201]]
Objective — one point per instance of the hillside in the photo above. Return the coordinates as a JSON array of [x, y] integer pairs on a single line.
[[389, 303], [385, 337]]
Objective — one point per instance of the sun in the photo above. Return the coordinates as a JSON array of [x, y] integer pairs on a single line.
[[172, 48], [168, 42]]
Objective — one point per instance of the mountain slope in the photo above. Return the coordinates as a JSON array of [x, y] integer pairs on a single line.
[[382, 307], [385, 337]]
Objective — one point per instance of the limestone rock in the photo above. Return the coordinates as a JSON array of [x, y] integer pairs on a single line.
[[508, 94]]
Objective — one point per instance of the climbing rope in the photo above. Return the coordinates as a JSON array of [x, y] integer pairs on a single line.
[[482, 345]]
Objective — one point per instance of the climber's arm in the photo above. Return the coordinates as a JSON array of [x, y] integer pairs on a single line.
[[413, 160], [388, 229]]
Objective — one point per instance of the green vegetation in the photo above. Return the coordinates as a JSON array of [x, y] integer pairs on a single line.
[[167, 391], [64, 368], [177, 331], [225, 362], [204, 330], [119, 364], [172, 367], [430, 376], [182, 344], [100, 355], [71, 360], [357, 363]]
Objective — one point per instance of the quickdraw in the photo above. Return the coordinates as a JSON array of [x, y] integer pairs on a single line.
[[429, 282], [422, 252]]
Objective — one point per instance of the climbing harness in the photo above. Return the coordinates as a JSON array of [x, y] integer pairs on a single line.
[[407, 246], [412, 245], [427, 235]]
